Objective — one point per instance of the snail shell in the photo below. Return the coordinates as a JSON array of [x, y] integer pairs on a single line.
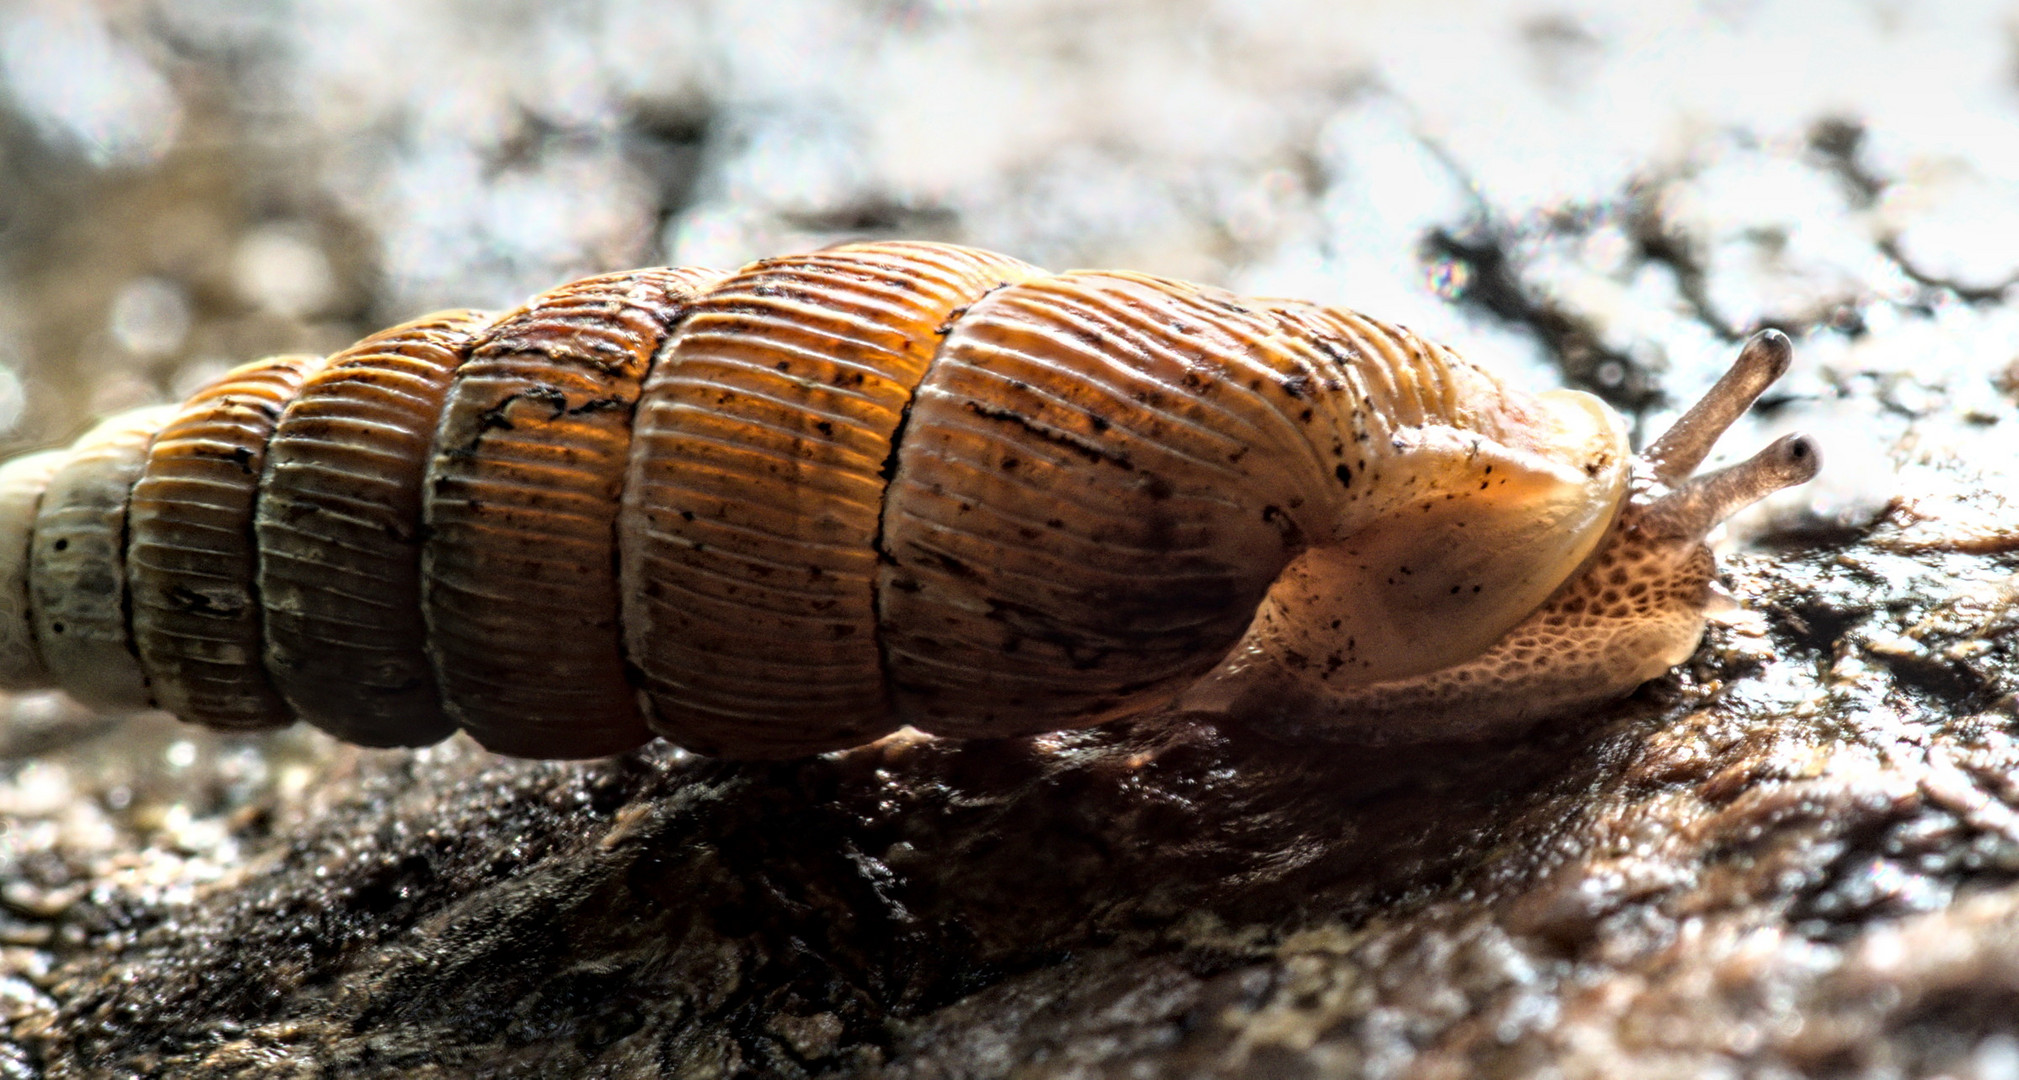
[[338, 524], [22, 483], [790, 508], [76, 560], [191, 562]]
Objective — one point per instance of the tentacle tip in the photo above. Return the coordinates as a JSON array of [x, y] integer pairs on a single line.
[[1798, 458], [1770, 352]]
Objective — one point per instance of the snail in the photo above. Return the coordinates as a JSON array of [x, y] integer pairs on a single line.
[[788, 509]]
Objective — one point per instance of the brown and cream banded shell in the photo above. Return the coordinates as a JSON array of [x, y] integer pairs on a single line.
[[790, 508]]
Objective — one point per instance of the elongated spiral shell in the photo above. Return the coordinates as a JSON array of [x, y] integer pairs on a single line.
[[790, 508]]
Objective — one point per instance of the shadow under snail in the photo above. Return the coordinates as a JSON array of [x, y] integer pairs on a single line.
[[788, 509]]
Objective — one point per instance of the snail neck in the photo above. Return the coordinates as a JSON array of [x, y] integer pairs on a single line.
[[1635, 611]]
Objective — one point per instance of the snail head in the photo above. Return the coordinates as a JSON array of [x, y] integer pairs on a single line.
[[1659, 539], [1638, 605], [1632, 608]]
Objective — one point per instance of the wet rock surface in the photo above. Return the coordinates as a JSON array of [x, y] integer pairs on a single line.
[[1796, 855], [1800, 852]]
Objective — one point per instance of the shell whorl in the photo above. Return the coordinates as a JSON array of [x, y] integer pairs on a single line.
[[191, 562], [339, 530], [782, 510], [518, 573], [76, 563], [22, 483], [752, 508]]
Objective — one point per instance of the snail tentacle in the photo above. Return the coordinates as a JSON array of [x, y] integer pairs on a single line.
[[1677, 453], [1700, 503]]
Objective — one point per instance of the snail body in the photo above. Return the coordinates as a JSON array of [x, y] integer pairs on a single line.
[[790, 508]]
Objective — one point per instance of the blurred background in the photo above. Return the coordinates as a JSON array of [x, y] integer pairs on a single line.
[[1607, 194]]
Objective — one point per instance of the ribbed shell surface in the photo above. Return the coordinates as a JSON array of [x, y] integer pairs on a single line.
[[752, 504], [520, 590], [339, 530], [796, 506], [1374, 379], [191, 561], [77, 570], [1104, 474], [22, 481], [1098, 481]]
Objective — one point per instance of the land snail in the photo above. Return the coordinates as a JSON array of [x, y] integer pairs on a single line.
[[792, 508]]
